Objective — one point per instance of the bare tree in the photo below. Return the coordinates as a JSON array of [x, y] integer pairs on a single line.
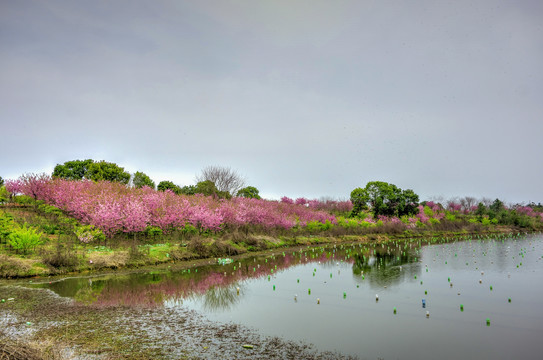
[[468, 202], [486, 201], [225, 178]]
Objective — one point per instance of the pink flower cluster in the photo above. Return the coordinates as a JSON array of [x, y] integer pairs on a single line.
[[114, 208], [333, 206]]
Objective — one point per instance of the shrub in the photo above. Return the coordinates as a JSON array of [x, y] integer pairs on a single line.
[[4, 194], [25, 239], [153, 231], [61, 257], [88, 233], [450, 217]]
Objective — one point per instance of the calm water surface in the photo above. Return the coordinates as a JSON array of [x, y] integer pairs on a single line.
[[279, 295]]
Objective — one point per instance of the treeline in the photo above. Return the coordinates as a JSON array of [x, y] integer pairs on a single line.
[[217, 181]]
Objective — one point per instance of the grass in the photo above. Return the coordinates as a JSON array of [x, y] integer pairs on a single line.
[[63, 253]]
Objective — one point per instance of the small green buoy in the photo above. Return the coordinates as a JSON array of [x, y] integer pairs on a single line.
[[461, 307], [487, 322], [394, 310]]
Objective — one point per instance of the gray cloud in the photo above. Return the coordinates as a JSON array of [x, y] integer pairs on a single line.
[[307, 98]]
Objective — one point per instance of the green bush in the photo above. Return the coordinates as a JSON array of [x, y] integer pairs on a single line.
[[450, 217], [23, 200], [4, 194], [318, 226], [153, 231], [25, 239]]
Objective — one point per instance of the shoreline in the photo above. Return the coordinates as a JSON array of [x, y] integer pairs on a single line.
[[142, 264]]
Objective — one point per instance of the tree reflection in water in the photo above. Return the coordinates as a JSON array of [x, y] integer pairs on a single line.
[[220, 298]]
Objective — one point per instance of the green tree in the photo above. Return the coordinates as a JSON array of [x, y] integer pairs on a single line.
[[141, 179], [168, 185], [481, 209], [103, 170], [249, 192], [73, 170], [188, 190], [384, 199], [497, 206], [1, 182], [208, 188]]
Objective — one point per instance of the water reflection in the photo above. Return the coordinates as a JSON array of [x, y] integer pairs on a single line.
[[377, 264]]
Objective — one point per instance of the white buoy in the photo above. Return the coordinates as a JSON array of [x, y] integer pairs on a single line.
[[237, 290], [376, 297], [427, 314], [480, 281]]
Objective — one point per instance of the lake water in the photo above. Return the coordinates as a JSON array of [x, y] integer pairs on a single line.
[[434, 299]]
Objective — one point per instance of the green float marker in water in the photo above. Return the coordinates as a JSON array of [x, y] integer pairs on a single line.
[[461, 307], [490, 287], [487, 322], [394, 310], [273, 287], [509, 300], [298, 280], [344, 294], [309, 291], [425, 292]]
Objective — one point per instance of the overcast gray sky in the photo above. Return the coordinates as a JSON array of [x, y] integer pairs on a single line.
[[306, 98]]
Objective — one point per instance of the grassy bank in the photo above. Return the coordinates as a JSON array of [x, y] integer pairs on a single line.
[[60, 251]]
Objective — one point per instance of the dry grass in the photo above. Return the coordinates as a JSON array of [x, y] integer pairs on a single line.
[[13, 266], [17, 350], [112, 260]]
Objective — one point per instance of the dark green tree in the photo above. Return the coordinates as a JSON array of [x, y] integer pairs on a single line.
[[73, 170], [168, 185], [249, 192], [141, 179], [1, 182], [188, 190], [481, 209], [103, 170], [497, 206], [384, 199]]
